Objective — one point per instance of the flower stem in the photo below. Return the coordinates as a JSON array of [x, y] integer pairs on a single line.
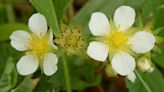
[[66, 75], [143, 82]]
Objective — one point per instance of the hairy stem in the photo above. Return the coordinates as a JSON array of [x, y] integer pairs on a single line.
[[66, 75]]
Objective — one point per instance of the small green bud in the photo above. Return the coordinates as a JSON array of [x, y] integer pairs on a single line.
[[109, 71]]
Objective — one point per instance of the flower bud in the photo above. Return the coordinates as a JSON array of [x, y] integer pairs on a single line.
[[109, 71], [145, 65]]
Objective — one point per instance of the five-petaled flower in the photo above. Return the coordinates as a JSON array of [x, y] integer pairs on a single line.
[[114, 40], [38, 46]]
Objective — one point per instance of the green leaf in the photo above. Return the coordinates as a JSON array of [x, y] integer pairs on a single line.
[[25, 86], [6, 51], [7, 29], [60, 6], [9, 77], [150, 7], [158, 58], [159, 13], [46, 8], [2, 13], [147, 82]]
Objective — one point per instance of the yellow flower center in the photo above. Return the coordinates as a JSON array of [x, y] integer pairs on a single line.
[[72, 40], [116, 40], [39, 46]]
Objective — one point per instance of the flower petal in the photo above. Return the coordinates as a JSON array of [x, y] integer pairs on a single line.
[[50, 64], [27, 65], [124, 17], [123, 63], [51, 40], [99, 24], [131, 77], [142, 42], [19, 40], [98, 51], [38, 24]]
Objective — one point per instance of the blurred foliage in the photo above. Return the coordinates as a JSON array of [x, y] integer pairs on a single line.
[[154, 81], [25, 86], [82, 76], [14, 15], [9, 76]]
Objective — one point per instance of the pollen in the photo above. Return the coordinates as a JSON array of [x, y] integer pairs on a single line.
[[39, 46], [116, 41]]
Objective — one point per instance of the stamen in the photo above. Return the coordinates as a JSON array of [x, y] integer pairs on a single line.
[[71, 40], [39, 46], [116, 41]]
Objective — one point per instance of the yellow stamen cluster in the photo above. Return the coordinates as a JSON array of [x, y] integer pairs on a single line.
[[39, 46], [71, 40], [116, 40]]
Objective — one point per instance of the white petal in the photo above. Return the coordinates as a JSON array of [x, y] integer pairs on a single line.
[[123, 63], [142, 42], [50, 64], [38, 24], [19, 40], [51, 40], [99, 24], [98, 51], [124, 17], [132, 77], [27, 65]]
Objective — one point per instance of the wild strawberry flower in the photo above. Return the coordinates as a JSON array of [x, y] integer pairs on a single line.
[[38, 46], [116, 42]]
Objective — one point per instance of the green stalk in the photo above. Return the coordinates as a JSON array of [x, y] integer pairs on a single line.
[[66, 75], [143, 82]]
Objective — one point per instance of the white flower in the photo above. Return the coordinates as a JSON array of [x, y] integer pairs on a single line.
[[114, 40], [38, 46]]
